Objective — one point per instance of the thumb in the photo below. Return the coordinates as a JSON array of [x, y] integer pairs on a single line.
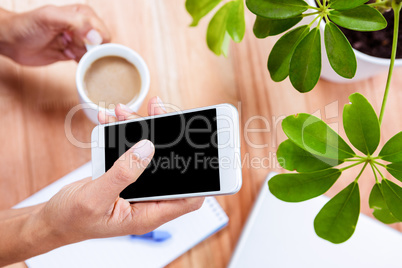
[[124, 172]]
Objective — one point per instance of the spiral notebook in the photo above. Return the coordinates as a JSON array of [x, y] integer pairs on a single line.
[[187, 231]]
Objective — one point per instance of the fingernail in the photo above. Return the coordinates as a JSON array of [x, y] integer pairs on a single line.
[[67, 37], [64, 40], [69, 53], [159, 101], [143, 149], [125, 108], [101, 117], [94, 37]]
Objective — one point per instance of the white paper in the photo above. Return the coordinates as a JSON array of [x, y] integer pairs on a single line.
[[186, 231], [280, 234]]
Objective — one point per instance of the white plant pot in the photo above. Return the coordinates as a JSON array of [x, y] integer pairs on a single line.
[[367, 66]]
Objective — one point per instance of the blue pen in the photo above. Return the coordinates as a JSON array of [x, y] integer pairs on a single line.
[[157, 236]]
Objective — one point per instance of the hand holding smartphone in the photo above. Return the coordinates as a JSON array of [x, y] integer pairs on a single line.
[[197, 153]]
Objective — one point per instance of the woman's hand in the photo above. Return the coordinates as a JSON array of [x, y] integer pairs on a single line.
[[93, 209], [90, 208], [49, 34]]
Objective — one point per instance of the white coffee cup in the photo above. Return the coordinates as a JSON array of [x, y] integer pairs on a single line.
[[94, 53]]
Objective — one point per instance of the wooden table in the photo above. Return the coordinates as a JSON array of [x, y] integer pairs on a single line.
[[35, 101]]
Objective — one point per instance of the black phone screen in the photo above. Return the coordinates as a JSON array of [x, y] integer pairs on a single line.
[[186, 153]]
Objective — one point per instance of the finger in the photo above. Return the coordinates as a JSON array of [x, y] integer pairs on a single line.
[[156, 106], [69, 54], [124, 172], [123, 112], [71, 51], [161, 212], [96, 22], [53, 55], [79, 21], [62, 44], [91, 29], [77, 51], [105, 118]]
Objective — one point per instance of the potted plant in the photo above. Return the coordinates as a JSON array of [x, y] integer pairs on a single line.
[[372, 50], [315, 151]]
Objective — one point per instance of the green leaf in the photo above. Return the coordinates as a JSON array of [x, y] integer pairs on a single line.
[[361, 124], [236, 26], [392, 150], [381, 211], [339, 51], [396, 170], [282, 52], [393, 197], [264, 27], [216, 32], [277, 9], [305, 65], [362, 18], [297, 187], [292, 157], [316, 137], [225, 45], [336, 221], [199, 8], [345, 4]]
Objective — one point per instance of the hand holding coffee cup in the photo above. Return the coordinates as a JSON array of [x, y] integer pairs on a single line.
[[109, 74]]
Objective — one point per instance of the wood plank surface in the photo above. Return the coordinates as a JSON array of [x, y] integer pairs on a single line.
[[35, 101]]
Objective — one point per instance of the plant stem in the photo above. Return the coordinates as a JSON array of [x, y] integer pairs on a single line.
[[379, 4], [375, 174], [353, 165], [381, 164], [379, 172], [361, 171], [397, 8], [319, 22], [353, 160], [319, 3], [311, 23], [310, 14], [315, 8]]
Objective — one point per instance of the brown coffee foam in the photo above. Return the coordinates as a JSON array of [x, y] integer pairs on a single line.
[[112, 80]]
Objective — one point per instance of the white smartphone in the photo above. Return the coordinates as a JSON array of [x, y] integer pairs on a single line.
[[197, 153]]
